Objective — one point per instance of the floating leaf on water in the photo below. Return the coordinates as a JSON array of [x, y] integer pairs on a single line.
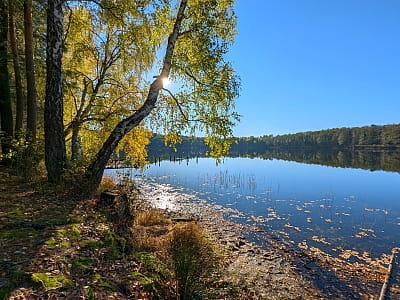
[[294, 227], [320, 240], [361, 234], [346, 254], [367, 229], [303, 245]]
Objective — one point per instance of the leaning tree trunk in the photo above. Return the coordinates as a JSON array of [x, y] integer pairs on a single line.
[[30, 73], [5, 99], [96, 169], [19, 108], [55, 153]]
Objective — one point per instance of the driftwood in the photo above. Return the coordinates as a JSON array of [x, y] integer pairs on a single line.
[[385, 285]]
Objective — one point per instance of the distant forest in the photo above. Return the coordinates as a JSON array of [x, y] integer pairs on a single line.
[[370, 147], [372, 137]]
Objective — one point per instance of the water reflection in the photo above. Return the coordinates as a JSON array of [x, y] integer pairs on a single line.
[[336, 210], [368, 160]]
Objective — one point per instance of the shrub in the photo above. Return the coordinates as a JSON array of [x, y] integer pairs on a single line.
[[193, 259]]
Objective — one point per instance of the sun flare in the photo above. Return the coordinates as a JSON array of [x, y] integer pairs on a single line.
[[165, 81]]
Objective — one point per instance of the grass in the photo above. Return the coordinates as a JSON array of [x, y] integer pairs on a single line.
[[151, 218], [193, 259]]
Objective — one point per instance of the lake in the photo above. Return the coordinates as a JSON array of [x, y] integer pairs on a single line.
[[333, 209]]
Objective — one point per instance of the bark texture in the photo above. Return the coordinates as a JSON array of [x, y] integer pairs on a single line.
[[55, 153], [5, 99], [96, 169], [19, 107], [30, 73]]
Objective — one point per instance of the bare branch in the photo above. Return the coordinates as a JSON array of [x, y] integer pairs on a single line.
[[180, 107]]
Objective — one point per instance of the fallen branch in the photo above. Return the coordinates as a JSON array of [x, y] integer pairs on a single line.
[[389, 275]]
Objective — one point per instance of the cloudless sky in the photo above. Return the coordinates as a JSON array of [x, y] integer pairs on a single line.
[[316, 64]]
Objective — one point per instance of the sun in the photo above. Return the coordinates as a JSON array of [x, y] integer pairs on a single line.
[[165, 81]]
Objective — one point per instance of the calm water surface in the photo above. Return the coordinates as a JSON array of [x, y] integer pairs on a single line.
[[334, 209]]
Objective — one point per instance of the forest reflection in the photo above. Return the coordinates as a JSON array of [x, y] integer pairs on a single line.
[[369, 160], [359, 159]]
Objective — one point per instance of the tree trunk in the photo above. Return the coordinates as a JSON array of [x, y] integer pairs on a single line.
[[55, 153], [96, 169], [19, 114], [30, 73], [75, 142], [5, 99]]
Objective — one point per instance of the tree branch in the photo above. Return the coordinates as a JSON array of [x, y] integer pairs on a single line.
[[180, 107]]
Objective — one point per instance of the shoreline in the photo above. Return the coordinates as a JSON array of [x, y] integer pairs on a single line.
[[271, 266]]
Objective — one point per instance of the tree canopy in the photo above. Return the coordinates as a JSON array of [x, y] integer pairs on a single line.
[[105, 65]]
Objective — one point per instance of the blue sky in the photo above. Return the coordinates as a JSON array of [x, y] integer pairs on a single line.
[[316, 64]]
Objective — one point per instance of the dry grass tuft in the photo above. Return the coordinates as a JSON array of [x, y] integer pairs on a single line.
[[193, 259], [151, 218]]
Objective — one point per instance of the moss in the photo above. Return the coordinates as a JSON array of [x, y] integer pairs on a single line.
[[15, 278], [53, 243], [91, 294], [115, 244], [101, 282], [71, 231], [5, 291], [156, 276], [17, 214], [50, 282], [17, 233], [91, 244], [147, 282], [82, 262]]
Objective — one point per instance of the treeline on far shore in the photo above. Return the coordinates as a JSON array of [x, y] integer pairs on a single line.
[[370, 147], [372, 137]]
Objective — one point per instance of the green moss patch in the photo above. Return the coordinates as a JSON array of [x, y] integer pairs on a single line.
[[50, 282]]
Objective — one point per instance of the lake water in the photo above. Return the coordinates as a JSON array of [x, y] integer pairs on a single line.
[[334, 209]]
